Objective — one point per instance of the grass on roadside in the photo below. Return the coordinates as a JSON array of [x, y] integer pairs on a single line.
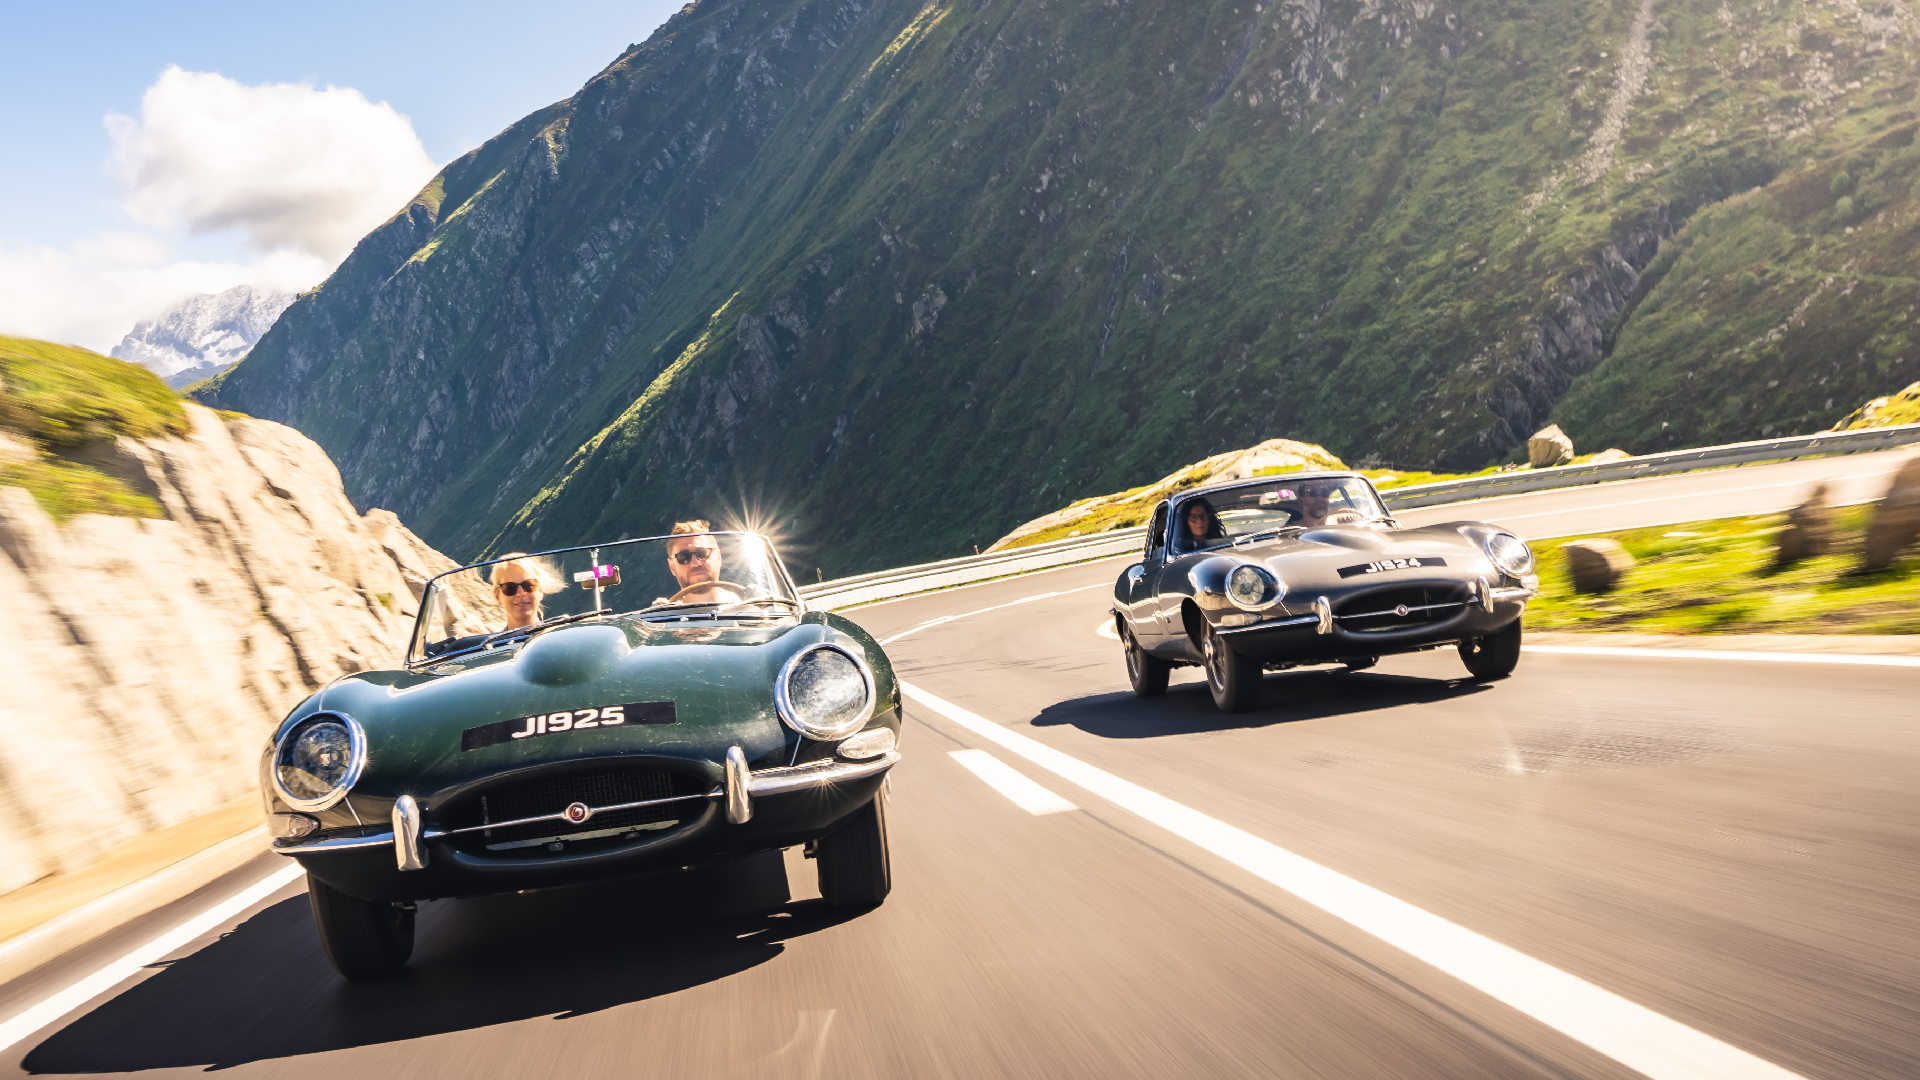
[[1717, 577], [59, 399]]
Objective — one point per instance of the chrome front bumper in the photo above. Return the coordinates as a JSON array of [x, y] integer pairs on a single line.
[[741, 788]]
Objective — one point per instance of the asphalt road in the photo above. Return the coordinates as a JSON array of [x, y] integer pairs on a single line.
[[1668, 500], [1726, 844]]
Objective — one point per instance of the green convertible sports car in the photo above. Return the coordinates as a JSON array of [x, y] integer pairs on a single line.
[[587, 714]]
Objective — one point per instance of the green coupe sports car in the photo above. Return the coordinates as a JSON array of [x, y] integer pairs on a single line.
[[587, 714]]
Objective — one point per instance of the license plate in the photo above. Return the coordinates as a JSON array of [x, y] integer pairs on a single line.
[[1388, 565], [540, 725]]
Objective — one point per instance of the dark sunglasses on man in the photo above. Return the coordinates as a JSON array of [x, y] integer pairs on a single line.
[[508, 588], [687, 555]]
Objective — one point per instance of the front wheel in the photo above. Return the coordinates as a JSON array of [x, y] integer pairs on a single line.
[[1145, 671], [1233, 679], [364, 939], [854, 869], [1494, 656]]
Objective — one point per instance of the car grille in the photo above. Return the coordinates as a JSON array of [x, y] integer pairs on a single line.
[[551, 794], [1379, 610]]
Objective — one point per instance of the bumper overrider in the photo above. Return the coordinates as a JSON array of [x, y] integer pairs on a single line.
[[742, 810], [1350, 625]]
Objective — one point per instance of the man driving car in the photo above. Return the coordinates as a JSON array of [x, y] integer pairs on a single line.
[[1316, 506], [694, 560]]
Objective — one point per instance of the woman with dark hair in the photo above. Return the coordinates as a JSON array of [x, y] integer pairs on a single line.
[[1199, 526]]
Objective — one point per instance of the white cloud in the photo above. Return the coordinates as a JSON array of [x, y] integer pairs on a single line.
[[92, 292], [288, 165], [299, 174]]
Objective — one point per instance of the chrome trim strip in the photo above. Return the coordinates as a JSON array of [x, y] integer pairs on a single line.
[[1508, 595], [407, 852], [1411, 608], [1272, 624], [739, 787], [435, 834], [1323, 612], [1485, 595], [779, 781], [338, 843], [356, 749]]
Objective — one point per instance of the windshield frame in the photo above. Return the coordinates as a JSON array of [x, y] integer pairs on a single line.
[[416, 657], [1180, 501]]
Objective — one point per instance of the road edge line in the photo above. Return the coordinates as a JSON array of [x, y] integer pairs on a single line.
[[60, 935], [51, 1008], [1869, 659], [1646, 1041]]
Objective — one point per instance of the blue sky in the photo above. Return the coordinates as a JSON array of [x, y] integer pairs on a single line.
[[459, 73]]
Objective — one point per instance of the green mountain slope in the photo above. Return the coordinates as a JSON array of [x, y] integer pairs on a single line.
[[892, 277]]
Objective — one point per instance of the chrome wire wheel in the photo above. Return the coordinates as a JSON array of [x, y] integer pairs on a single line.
[[1233, 679]]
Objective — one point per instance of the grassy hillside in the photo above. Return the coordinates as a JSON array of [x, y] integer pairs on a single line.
[[57, 402], [890, 279]]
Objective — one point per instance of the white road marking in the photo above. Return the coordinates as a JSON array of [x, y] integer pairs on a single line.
[[109, 975], [1637, 1037], [1010, 782], [969, 614], [1105, 629], [1729, 654]]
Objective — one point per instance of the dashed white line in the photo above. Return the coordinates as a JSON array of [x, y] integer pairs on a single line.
[[1632, 1034], [109, 975], [969, 614], [1008, 781]]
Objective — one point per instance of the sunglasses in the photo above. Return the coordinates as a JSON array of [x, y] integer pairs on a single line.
[[508, 588], [690, 554]]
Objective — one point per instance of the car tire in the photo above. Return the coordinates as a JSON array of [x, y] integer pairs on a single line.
[[1145, 671], [1494, 656], [1233, 679], [364, 939], [1358, 663], [854, 869]]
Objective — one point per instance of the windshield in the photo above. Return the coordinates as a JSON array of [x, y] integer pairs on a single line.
[[1219, 517], [713, 573]]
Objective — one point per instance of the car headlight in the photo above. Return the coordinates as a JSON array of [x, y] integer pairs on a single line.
[[318, 760], [1510, 555], [824, 692], [1253, 588]]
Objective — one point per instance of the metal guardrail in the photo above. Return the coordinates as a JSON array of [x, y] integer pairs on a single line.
[[1673, 461], [902, 581]]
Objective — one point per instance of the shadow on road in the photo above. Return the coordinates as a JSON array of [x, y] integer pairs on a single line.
[[265, 991], [1285, 698]]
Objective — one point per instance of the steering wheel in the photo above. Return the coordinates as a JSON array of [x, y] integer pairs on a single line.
[[705, 586]]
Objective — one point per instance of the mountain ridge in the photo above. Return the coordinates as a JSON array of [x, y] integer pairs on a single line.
[[948, 264]]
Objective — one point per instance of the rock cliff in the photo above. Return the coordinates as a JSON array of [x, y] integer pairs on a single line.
[[148, 658]]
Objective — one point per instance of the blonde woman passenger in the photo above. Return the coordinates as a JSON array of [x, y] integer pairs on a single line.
[[520, 586]]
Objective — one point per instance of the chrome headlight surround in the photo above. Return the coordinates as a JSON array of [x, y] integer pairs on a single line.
[[1509, 554], [1253, 588], [790, 714], [356, 760]]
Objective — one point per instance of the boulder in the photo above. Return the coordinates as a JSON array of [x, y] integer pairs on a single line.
[[1896, 521], [1596, 566], [1809, 530], [1604, 456], [1549, 446]]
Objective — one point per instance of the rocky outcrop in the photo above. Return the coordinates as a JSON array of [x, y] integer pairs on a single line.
[[1896, 521], [1548, 447], [1596, 566], [1808, 532], [149, 658]]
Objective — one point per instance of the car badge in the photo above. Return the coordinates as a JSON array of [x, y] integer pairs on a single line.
[[577, 812], [1400, 611]]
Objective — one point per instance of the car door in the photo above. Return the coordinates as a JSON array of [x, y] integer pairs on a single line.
[[1142, 605]]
